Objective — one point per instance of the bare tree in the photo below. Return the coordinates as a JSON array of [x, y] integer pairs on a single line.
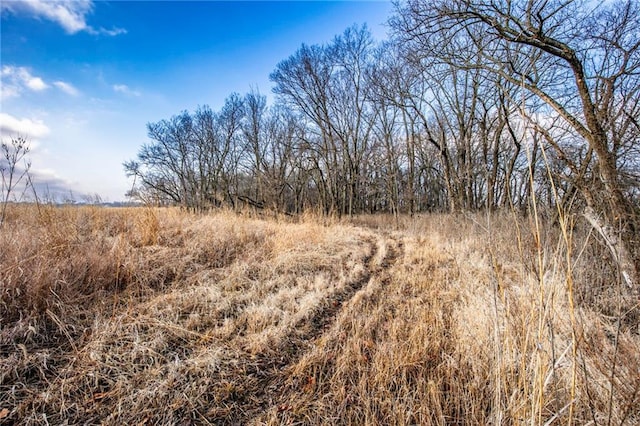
[[163, 167], [327, 85], [285, 178], [192, 160], [14, 168], [351, 109], [253, 131], [303, 83], [579, 60]]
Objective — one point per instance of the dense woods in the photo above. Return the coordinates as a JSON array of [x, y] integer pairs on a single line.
[[469, 105]]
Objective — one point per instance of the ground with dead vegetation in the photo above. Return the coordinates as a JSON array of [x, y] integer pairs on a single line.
[[155, 316]]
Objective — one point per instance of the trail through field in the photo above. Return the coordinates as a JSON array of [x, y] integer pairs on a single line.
[[288, 382], [266, 374]]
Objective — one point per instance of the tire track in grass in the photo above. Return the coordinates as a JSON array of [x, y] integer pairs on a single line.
[[292, 380], [264, 374]]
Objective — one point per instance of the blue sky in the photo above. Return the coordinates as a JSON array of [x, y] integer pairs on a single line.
[[80, 79]]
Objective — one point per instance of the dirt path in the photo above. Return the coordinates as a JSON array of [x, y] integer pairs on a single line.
[[265, 374]]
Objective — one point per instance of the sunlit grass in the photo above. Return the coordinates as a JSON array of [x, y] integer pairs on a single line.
[[127, 316]]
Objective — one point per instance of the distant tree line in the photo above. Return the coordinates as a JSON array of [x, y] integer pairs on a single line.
[[471, 104]]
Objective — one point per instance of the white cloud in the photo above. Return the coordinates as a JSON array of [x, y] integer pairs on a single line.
[[70, 15], [50, 186], [8, 91], [36, 84], [113, 32], [66, 88], [125, 90], [11, 126], [15, 79]]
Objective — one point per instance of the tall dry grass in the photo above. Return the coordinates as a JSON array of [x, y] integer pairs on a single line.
[[134, 316], [482, 320]]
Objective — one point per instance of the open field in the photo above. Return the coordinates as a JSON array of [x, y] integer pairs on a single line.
[[155, 316]]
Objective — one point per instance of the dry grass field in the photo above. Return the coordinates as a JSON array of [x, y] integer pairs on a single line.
[[154, 316]]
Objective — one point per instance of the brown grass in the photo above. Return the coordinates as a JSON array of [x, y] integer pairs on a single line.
[[154, 316]]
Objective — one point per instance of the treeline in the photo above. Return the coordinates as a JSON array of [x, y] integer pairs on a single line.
[[469, 105]]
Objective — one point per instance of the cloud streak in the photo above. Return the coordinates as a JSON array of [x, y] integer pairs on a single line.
[[36, 84], [11, 126], [70, 15], [46, 185], [50, 187], [66, 88], [15, 80], [125, 90]]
